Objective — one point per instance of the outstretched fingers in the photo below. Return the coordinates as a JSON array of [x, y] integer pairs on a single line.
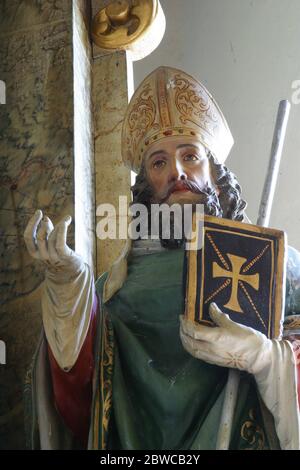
[[30, 234], [57, 246], [42, 236], [62, 248]]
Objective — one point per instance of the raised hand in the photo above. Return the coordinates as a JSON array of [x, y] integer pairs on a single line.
[[47, 244]]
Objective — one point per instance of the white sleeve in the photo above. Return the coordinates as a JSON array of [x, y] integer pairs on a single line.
[[66, 309], [278, 388]]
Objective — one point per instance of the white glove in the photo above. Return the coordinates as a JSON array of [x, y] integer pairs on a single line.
[[229, 344], [48, 245], [68, 291], [271, 361]]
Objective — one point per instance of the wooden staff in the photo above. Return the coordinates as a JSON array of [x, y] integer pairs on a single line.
[[231, 391]]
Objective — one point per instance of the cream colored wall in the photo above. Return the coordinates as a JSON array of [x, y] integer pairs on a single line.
[[247, 52]]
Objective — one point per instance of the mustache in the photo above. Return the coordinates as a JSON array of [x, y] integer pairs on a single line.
[[189, 185]]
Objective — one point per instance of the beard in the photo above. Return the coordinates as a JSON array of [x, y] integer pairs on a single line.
[[171, 231], [207, 196]]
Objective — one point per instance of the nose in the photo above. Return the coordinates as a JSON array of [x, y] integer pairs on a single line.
[[177, 171]]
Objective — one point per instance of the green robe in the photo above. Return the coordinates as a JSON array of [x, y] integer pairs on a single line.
[[162, 397]]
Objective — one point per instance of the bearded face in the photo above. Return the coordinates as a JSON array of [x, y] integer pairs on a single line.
[[179, 170]]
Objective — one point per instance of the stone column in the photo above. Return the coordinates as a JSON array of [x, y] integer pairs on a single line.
[[111, 85], [113, 54], [38, 169]]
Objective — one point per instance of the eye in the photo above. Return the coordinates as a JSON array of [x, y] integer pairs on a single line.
[[190, 157], [159, 163]]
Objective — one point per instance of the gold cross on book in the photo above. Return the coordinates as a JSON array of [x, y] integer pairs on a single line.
[[236, 276]]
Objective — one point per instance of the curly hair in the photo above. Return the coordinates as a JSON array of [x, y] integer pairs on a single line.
[[232, 204]]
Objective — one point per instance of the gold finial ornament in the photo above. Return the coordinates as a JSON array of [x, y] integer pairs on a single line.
[[169, 102], [137, 26], [118, 12]]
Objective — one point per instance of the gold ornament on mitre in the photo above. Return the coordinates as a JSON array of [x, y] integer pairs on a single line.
[[136, 26], [169, 102]]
